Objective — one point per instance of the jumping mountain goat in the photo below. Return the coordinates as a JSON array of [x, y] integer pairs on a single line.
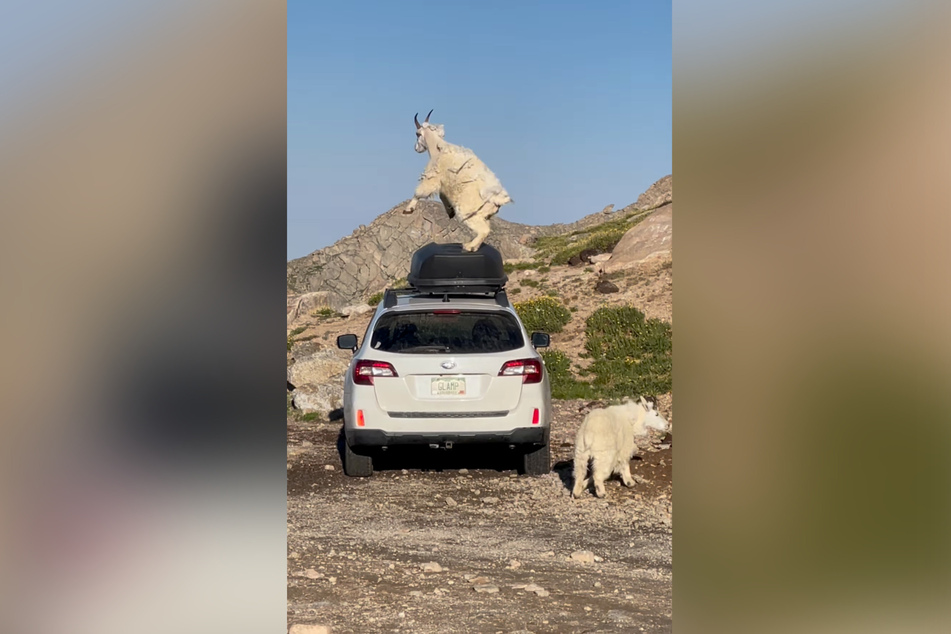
[[606, 437], [465, 185]]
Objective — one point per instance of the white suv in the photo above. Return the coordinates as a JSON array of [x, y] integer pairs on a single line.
[[443, 368]]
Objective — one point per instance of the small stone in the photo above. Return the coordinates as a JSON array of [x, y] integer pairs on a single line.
[[310, 573], [597, 584], [479, 581], [430, 566], [537, 589], [328, 467], [513, 564], [587, 608], [306, 443], [415, 593], [583, 556], [551, 553], [450, 502], [404, 472], [392, 566], [486, 588], [332, 580], [463, 471], [490, 500], [402, 615]]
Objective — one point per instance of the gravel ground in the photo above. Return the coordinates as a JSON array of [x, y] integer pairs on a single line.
[[455, 541]]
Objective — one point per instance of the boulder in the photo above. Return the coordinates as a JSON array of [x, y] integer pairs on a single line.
[[320, 398], [307, 303], [652, 237], [321, 368], [356, 309], [605, 286]]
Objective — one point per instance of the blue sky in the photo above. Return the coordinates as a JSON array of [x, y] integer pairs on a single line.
[[569, 103]]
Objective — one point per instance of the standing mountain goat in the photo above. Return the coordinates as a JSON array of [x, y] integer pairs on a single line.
[[465, 185], [607, 436]]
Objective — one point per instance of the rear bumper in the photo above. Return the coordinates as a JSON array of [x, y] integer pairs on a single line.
[[379, 438]]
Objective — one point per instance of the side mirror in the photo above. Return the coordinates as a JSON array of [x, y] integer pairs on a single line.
[[541, 339], [347, 342]]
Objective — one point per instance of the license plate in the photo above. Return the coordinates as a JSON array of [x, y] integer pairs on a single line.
[[449, 386]]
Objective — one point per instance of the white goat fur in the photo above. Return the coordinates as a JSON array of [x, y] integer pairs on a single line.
[[465, 185], [606, 437]]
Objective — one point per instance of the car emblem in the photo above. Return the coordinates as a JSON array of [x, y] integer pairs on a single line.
[[449, 364]]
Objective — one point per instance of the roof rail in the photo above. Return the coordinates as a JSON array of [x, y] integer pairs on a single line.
[[390, 295]]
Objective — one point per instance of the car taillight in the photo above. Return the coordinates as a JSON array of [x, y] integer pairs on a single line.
[[365, 370], [529, 369]]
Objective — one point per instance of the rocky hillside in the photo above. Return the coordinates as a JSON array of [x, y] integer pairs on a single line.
[[375, 255]]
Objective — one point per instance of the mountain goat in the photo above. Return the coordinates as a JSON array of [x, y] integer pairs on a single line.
[[607, 436], [465, 185]]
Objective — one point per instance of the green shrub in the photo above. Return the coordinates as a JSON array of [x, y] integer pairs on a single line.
[[324, 313], [375, 298], [511, 267], [631, 355], [545, 314], [514, 291], [297, 331], [529, 282], [544, 269], [600, 238], [563, 382]]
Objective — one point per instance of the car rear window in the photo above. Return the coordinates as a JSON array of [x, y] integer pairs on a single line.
[[452, 331]]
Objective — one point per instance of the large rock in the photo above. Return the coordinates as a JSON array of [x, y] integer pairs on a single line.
[[652, 237], [307, 303], [321, 398], [321, 368], [660, 193]]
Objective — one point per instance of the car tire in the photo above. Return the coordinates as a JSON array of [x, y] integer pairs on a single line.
[[356, 465], [536, 462]]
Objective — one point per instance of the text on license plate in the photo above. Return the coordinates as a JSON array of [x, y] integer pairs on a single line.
[[449, 386]]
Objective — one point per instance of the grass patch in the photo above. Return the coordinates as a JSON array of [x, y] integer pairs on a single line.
[[545, 314], [294, 333], [631, 355], [511, 267], [529, 282], [514, 291], [563, 382], [601, 238], [324, 313]]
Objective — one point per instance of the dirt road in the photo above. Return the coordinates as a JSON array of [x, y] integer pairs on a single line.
[[455, 541]]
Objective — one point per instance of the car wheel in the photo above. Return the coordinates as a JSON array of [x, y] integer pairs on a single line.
[[355, 464], [537, 461]]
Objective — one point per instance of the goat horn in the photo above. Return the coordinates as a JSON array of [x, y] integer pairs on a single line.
[[427, 116], [416, 121]]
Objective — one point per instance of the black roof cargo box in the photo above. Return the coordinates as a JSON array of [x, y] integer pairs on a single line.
[[447, 268]]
